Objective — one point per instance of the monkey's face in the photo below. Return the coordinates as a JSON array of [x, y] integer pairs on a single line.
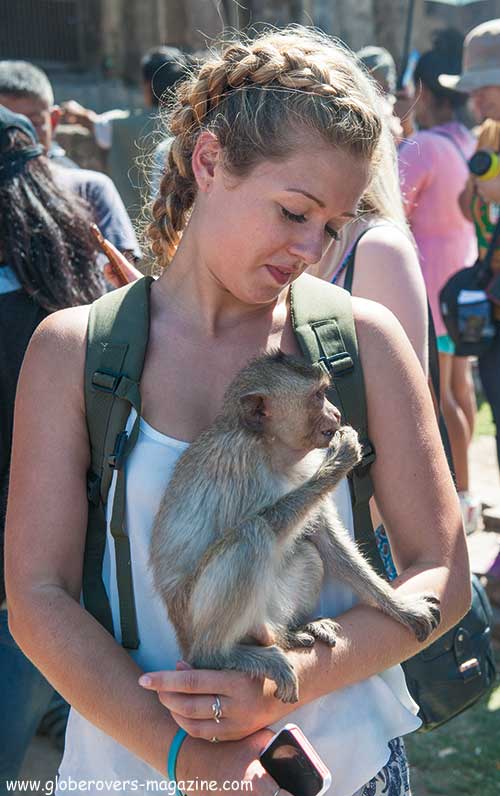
[[306, 421], [301, 420]]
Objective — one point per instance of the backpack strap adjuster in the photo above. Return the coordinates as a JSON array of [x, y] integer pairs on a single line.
[[338, 364], [117, 457]]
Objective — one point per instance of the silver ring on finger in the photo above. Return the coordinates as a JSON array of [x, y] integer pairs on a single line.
[[217, 709], [277, 792], [214, 740]]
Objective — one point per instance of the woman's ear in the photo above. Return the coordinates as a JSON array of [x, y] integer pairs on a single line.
[[206, 157]]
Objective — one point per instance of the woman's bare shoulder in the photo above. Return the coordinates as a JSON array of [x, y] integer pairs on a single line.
[[388, 242], [55, 357], [381, 337]]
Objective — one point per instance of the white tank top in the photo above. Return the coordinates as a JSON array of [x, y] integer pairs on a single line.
[[349, 728]]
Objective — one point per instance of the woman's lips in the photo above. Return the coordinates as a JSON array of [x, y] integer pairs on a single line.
[[281, 277]]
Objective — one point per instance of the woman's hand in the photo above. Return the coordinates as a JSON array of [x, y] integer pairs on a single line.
[[228, 763], [247, 704]]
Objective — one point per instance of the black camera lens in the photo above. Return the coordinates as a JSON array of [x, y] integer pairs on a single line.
[[480, 162]]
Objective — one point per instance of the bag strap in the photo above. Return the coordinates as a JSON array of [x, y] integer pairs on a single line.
[[452, 141], [118, 334], [324, 327]]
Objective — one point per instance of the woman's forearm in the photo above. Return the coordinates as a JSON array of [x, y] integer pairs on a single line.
[[370, 641], [91, 671]]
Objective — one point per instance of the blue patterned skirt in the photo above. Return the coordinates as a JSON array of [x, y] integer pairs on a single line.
[[393, 779]]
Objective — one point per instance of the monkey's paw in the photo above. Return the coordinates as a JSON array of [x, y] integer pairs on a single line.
[[421, 613], [343, 454], [324, 630], [287, 685]]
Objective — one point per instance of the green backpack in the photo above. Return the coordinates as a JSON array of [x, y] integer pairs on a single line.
[[324, 327]]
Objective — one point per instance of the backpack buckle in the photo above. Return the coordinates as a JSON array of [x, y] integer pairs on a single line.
[[117, 457], [93, 488], [338, 363], [107, 382]]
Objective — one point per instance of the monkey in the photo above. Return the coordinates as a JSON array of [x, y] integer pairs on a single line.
[[245, 530]]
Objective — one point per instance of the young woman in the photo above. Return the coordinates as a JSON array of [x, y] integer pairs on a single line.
[[433, 166], [274, 144], [47, 262]]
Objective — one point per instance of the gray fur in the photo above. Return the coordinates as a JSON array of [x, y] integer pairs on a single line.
[[241, 541]]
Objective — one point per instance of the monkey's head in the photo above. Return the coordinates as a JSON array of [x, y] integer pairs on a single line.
[[284, 400]]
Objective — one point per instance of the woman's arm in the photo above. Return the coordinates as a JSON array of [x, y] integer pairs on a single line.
[[387, 270], [45, 539], [417, 499]]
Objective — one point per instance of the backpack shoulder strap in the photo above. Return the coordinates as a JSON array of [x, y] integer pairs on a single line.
[[118, 334], [324, 327]]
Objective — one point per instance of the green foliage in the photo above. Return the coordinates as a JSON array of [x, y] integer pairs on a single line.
[[462, 758], [484, 421]]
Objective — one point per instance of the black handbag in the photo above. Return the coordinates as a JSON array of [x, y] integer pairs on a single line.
[[456, 670], [470, 323]]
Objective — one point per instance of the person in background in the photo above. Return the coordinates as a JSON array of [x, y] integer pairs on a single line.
[[480, 199], [26, 89], [47, 262], [380, 64], [433, 169], [121, 133]]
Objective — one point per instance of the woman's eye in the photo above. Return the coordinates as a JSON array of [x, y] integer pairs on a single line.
[[332, 233], [299, 219]]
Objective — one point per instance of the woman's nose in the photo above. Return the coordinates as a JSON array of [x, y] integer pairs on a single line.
[[309, 249]]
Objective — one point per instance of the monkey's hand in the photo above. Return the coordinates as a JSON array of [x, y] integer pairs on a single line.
[[419, 612], [343, 454]]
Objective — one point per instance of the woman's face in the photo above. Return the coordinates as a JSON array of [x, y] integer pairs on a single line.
[[262, 231]]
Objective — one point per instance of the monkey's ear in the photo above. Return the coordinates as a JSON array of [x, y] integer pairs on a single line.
[[254, 410]]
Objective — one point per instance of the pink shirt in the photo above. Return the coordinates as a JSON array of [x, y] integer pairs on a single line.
[[433, 174]]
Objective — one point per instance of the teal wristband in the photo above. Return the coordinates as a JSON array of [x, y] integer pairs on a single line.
[[173, 753]]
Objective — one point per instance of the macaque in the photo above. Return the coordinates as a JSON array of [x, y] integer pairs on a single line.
[[246, 528]]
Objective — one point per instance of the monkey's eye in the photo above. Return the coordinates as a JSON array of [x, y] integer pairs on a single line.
[[320, 394]]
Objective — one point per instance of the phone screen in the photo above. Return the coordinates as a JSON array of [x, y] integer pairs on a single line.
[[289, 765]]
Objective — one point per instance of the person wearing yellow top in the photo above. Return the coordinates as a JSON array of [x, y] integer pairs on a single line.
[[480, 200]]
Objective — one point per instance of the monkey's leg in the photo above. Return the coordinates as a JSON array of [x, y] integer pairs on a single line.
[[299, 638], [419, 612], [291, 509], [256, 661]]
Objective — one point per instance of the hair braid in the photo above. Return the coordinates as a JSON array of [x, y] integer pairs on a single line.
[[258, 97]]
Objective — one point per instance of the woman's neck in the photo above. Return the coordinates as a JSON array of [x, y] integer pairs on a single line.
[[189, 290]]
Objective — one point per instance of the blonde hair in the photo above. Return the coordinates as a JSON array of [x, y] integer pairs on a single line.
[[259, 97]]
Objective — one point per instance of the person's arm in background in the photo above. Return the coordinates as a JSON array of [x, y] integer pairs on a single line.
[[99, 124], [387, 270], [465, 199]]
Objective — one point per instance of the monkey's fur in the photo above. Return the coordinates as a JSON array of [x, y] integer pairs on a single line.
[[246, 530]]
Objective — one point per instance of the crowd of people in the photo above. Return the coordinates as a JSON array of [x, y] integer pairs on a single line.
[[282, 154]]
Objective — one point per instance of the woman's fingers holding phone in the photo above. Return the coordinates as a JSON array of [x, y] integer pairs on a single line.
[[232, 766]]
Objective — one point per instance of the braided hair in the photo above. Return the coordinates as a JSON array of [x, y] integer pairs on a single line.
[[259, 98], [45, 236]]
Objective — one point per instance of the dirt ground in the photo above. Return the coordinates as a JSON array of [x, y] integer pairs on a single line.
[[42, 760]]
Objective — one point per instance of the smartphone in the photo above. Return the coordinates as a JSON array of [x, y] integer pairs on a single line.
[[295, 765]]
